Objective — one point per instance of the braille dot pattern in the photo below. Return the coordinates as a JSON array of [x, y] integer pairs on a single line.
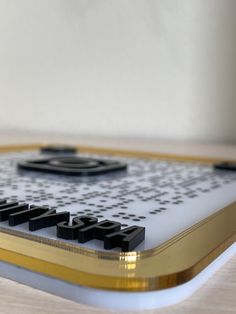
[[148, 190]]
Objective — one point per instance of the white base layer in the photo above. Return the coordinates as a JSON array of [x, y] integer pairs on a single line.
[[114, 299]]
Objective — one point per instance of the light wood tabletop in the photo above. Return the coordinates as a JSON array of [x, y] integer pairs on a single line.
[[217, 295]]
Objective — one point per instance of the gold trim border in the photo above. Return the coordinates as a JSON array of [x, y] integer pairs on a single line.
[[118, 152], [171, 264]]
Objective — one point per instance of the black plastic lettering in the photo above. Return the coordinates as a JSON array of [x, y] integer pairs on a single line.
[[98, 230], [70, 231], [48, 219], [11, 208], [25, 215], [127, 239], [4, 204]]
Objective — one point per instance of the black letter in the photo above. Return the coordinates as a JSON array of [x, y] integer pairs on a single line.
[[10, 208], [70, 232], [98, 231], [25, 215], [48, 219], [127, 239]]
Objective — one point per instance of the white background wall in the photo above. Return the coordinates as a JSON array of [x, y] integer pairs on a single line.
[[119, 67]]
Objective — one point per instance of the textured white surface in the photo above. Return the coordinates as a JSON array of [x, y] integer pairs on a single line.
[[164, 197], [158, 68]]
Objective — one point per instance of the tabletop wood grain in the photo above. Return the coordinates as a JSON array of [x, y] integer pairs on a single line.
[[216, 296]]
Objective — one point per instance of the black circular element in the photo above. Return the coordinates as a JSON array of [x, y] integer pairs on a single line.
[[58, 149], [226, 165], [73, 165]]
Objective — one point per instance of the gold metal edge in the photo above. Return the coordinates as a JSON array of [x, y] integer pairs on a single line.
[[119, 152], [167, 267], [162, 267], [148, 154]]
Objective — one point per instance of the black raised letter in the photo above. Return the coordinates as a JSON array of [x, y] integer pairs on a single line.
[[25, 215], [98, 230], [48, 219], [70, 232], [127, 239], [10, 208]]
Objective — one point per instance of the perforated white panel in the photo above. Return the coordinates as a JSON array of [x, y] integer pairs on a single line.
[[164, 197]]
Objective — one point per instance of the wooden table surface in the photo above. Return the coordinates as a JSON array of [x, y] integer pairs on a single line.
[[218, 295]]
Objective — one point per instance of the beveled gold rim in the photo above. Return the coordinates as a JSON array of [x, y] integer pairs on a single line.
[[173, 263], [118, 152]]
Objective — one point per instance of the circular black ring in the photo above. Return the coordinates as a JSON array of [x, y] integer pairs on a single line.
[[74, 162]]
